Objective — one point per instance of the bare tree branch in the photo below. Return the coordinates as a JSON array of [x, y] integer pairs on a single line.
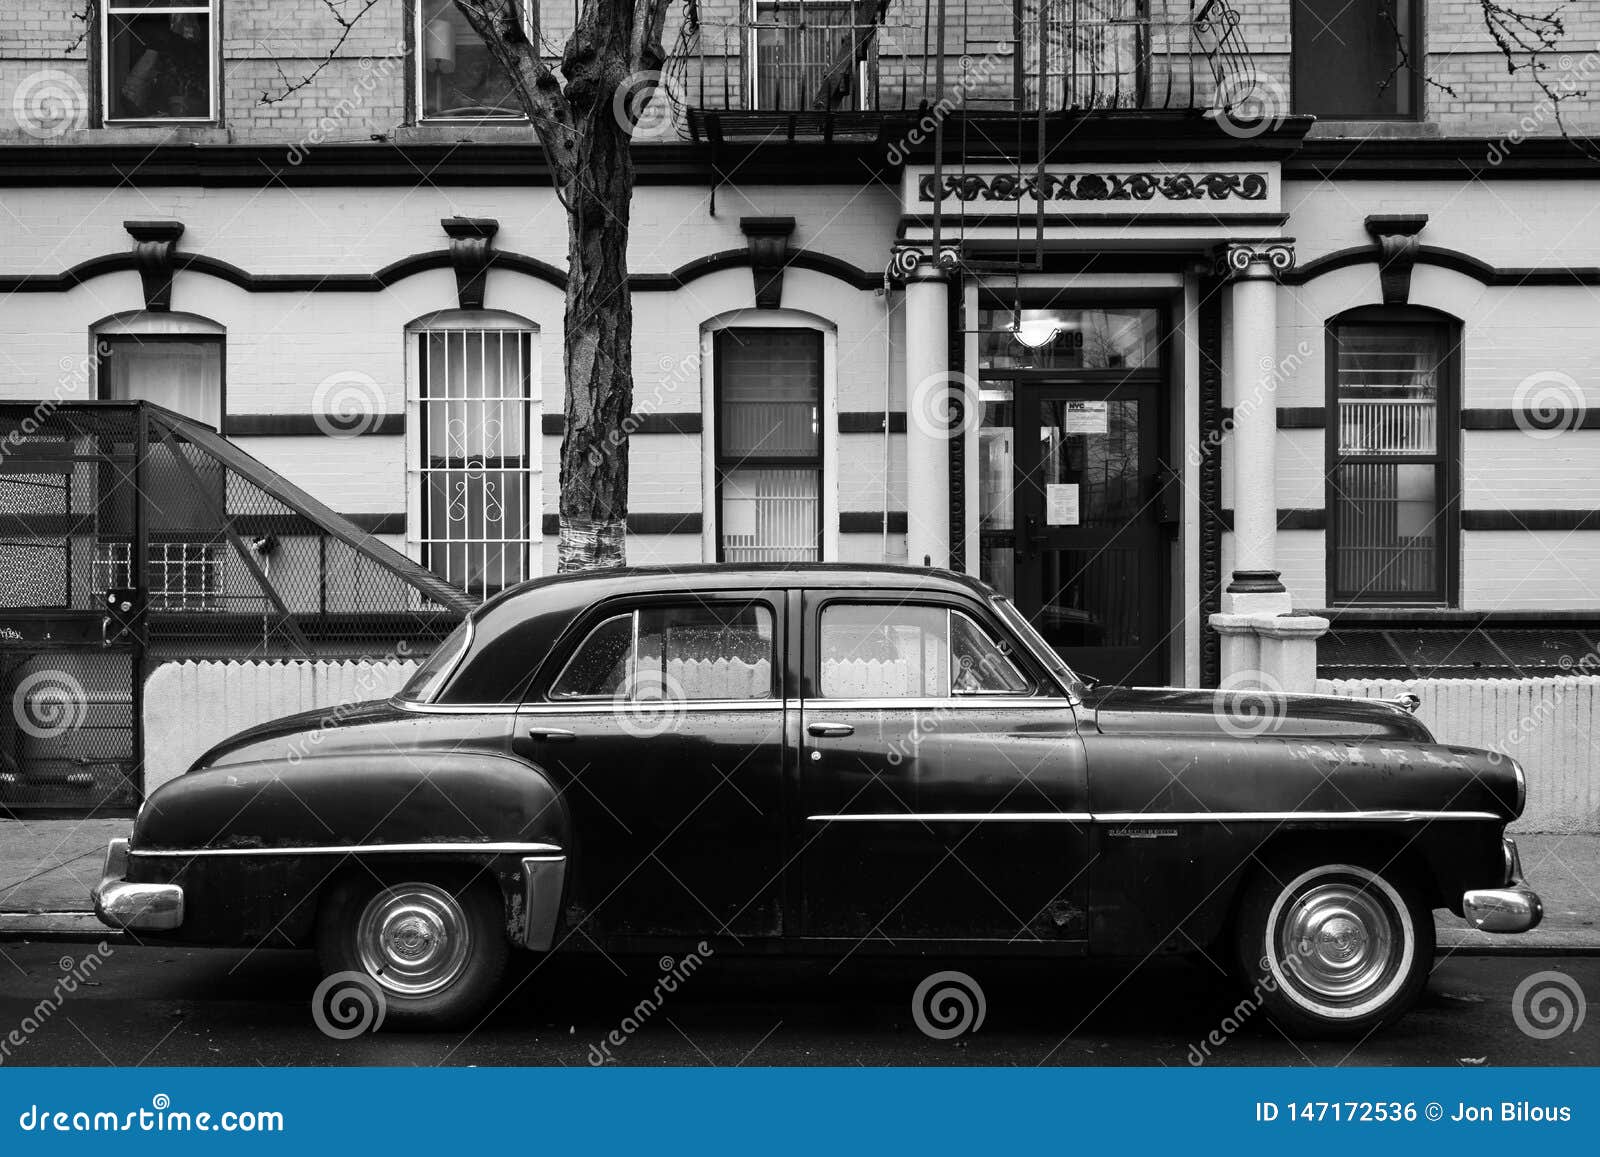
[[650, 18], [511, 31], [336, 9]]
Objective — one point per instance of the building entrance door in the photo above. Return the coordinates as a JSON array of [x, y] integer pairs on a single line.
[[1075, 513]]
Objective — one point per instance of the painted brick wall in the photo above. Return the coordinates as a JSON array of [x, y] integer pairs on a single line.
[[364, 91]]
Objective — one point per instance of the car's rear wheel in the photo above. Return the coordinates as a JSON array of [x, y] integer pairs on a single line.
[[434, 950], [1333, 948]]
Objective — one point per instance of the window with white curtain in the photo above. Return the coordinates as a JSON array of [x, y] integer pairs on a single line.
[[769, 445], [474, 405], [182, 372]]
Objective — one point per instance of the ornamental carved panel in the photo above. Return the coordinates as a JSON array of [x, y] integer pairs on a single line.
[[1094, 187]]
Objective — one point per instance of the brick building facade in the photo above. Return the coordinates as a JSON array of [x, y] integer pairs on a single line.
[[1241, 356]]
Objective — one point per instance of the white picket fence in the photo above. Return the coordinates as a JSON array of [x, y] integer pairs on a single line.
[[188, 707], [707, 679], [1548, 725]]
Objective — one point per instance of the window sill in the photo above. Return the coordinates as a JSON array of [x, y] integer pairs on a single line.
[[457, 132], [132, 134], [1394, 130]]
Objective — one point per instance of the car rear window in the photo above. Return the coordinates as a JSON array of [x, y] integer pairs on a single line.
[[679, 652], [423, 686]]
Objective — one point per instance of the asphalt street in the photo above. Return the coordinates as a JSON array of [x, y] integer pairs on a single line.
[[165, 1006]]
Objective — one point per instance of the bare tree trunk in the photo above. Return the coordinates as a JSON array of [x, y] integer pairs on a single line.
[[599, 347]]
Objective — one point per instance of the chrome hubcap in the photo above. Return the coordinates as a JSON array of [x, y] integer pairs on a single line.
[[413, 939], [1338, 942]]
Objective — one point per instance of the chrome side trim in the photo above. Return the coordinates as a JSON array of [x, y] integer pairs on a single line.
[[634, 707], [953, 703], [355, 849], [1135, 818], [956, 817], [543, 878], [1395, 817]]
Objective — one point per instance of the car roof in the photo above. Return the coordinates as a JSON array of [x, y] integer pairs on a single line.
[[589, 586], [529, 618]]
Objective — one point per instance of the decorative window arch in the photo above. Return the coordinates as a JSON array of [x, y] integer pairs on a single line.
[[1393, 456], [472, 405]]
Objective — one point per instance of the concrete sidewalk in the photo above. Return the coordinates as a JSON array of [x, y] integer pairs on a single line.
[[47, 868]]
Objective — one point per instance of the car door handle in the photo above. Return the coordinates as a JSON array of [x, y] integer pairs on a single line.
[[835, 730], [551, 734]]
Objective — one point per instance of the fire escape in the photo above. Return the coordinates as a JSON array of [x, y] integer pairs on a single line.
[[864, 69]]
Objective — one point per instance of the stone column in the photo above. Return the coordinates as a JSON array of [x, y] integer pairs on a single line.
[[1253, 373], [928, 378], [1264, 646]]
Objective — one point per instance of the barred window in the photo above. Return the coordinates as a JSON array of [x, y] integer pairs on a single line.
[[475, 406], [1391, 501], [158, 60], [769, 445]]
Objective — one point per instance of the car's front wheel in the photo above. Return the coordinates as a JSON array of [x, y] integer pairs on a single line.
[[1333, 948], [434, 949]]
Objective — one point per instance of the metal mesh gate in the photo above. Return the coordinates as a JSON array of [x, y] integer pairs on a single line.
[[131, 535]]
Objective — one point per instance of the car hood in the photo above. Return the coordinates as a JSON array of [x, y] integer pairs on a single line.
[[1249, 713]]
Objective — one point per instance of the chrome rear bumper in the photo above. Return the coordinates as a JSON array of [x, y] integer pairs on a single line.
[[136, 907], [1513, 908]]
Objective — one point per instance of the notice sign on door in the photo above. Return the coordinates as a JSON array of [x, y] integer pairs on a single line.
[[1061, 503], [1084, 418]]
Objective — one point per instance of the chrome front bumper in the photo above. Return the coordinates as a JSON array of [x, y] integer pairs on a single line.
[[1513, 908], [136, 907]]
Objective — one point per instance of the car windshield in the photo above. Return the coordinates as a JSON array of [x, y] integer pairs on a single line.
[[1042, 650], [425, 684]]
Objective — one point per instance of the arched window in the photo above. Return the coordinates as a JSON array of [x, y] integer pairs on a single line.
[[172, 359], [1393, 456], [475, 448]]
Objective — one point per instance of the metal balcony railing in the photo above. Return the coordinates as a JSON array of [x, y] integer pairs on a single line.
[[831, 59]]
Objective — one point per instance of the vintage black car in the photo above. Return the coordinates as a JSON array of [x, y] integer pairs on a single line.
[[823, 759]]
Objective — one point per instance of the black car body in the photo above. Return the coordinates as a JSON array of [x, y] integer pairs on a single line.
[[820, 759]]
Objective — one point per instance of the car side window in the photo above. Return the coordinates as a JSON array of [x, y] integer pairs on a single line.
[[676, 652], [899, 651]]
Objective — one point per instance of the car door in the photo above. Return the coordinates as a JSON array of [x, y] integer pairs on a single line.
[[663, 725], [941, 778]]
